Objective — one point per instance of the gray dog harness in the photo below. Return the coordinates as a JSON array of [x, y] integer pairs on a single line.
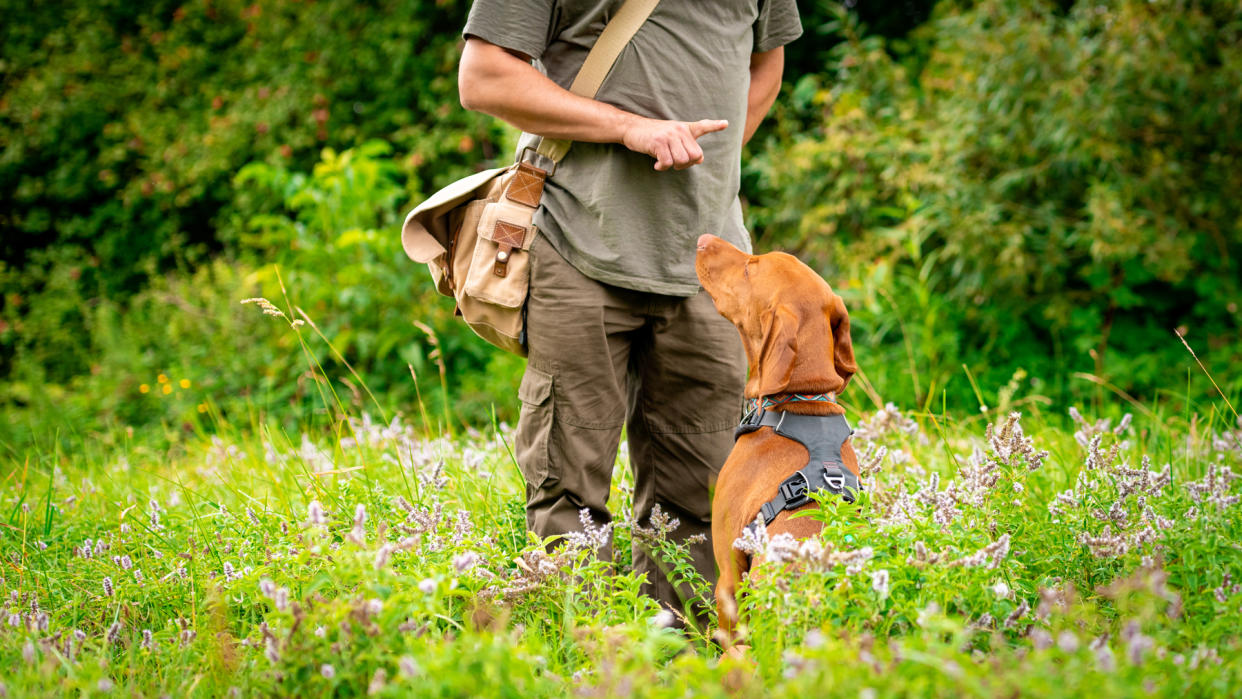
[[823, 436]]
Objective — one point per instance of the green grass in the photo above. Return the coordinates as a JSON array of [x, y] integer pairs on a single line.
[[206, 569]]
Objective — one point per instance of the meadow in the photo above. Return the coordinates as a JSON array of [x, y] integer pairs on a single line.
[[994, 554]]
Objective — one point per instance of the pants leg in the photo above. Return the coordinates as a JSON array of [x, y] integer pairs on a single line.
[[573, 393], [683, 409], [670, 369]]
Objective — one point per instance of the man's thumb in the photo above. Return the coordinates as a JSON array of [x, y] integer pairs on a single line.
[[703, 126]]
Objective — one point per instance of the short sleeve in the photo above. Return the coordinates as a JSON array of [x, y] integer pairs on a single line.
[[518, 25], [778, 24]]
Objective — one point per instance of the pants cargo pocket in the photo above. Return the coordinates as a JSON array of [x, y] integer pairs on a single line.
[[534, 426]]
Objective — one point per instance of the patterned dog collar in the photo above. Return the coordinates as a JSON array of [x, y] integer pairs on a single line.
[[780, 399]]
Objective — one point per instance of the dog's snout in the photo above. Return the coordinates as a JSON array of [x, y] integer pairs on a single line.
[[703, 240]]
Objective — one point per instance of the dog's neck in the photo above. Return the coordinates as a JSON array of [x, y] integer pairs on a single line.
[[800, 403]]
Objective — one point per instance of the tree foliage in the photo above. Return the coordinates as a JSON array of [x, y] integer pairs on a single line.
[[1063, 184], [1025, 189]]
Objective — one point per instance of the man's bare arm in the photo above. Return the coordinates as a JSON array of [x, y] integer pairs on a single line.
[[765, 83], [495, 81]]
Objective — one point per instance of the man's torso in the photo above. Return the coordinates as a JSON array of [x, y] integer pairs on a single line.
[[606, 209]]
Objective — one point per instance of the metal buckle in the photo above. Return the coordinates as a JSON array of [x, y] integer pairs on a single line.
[[795, 490], [753, 417], [522, 158], [836, 481], [750, 423]]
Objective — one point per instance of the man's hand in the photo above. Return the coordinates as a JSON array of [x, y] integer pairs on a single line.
[[673, 144]]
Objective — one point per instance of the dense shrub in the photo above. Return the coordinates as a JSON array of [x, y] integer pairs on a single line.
[[322, 248], [1057, 191], [124, 124], [1018, 190]]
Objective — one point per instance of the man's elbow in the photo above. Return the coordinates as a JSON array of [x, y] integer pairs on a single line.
[[469, 91], [469, 76], [482, 71]]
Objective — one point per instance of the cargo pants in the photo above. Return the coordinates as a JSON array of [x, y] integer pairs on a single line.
[[669, 369]]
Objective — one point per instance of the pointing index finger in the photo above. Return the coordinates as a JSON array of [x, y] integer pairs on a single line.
[[706, 126]]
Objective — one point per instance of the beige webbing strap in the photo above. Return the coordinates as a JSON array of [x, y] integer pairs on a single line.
[[618, 32]]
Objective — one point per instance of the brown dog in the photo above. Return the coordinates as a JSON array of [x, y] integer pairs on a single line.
[[797, 338]]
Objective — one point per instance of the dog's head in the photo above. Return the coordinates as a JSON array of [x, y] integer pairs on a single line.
[[795, 329]]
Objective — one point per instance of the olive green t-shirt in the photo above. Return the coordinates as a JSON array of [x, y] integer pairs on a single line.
[[605, 209]]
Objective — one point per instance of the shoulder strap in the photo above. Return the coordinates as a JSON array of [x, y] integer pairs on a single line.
[[617, 33]]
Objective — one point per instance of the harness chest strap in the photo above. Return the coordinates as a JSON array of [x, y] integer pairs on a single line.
[[823, 436]]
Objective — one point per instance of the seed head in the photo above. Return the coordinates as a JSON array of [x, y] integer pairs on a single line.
[[382, 556], [463, 562], [408, 666], [271, 651], [879, 582], [378, 681]]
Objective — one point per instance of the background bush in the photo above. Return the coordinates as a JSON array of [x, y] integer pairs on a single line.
[[1056, 189], [1008, 194]]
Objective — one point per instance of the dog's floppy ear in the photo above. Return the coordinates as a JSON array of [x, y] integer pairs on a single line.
[[779, 347], [843, 345]]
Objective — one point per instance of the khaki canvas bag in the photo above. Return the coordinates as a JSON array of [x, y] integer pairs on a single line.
[[475, 234]]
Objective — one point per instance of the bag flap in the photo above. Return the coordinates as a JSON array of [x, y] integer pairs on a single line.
[[425, 233], [514, 221]]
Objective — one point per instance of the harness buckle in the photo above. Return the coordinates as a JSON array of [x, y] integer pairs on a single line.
[[834, 478], [795, 490], [750, 422]]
